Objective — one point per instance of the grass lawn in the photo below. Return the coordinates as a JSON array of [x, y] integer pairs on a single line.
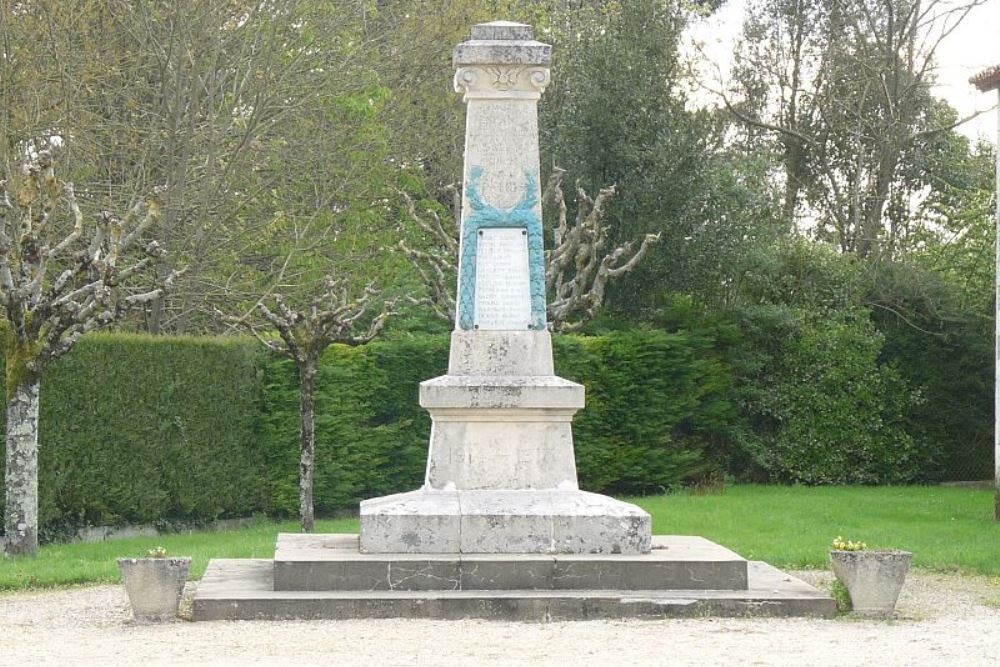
[[77, 563], [791, 527], [946, 528]]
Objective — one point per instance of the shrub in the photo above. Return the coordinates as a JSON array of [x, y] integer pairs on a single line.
[[823, 405], [822, 408], [945, 347]]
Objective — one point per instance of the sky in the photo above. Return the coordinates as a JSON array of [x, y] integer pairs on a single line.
[[971, 48]]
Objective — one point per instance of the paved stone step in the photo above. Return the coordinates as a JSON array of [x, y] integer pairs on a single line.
[[243, 590], [327, 562]]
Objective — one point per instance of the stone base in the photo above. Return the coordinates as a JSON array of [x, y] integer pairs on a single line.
[[492, 522], [501, 432], [244, 590], [332, 562]]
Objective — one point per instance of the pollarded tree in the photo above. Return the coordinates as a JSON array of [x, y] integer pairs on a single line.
[[579, 268], [58, 280], [305, 333]]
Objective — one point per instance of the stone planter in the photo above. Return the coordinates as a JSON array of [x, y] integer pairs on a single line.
[[154, 586], [873, 578]]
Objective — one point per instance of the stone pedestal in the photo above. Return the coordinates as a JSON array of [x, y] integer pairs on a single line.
[[501, 475], [520, 521]]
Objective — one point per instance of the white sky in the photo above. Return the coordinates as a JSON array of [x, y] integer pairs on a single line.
[[971, 48]]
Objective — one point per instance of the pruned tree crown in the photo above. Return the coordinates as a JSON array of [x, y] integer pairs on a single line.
[[61, 278]]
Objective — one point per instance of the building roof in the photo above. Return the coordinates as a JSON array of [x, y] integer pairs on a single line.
[[988, 79]]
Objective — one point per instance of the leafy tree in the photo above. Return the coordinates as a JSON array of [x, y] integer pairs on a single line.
[[227, 104], [616, 114], [842, 90], [959, 233]]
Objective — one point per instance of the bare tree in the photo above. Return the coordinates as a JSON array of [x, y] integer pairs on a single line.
[[331, 317], [56, 284], [577, 268]]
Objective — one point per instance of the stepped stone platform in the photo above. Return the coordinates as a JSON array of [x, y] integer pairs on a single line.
[[327, 577]]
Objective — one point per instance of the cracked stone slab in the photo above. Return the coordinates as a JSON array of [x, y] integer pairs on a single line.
[[415, 522], [333, 562], [244, 590]]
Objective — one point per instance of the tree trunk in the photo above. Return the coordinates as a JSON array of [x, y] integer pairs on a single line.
[[307, 441], [21, 480], [793, 182], [996, 324], [156, 316]]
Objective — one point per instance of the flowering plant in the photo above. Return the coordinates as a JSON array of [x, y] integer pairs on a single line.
[[840, 544]]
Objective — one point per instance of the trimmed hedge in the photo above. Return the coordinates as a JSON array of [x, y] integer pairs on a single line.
[[143, 429], [655, 402], [137, 429], [371, 435]]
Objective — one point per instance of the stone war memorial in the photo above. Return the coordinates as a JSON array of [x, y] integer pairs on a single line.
[[500, 528]]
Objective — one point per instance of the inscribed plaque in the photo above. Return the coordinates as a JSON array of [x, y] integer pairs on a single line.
[[503, 285]]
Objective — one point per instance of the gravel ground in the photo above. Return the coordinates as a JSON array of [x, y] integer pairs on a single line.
[[942, 620]]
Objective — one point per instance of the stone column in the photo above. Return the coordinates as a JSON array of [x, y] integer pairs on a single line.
[[502, 73], [501, 474], [502, 420]]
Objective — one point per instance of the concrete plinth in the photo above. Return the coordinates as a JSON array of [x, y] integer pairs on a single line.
[[333, 562], [503, 521], [495, 353]]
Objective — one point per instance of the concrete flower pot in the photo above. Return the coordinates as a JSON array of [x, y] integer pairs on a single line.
[[873, 578], [154, 586]]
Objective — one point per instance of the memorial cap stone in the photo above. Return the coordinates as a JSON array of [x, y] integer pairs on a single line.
[[503, 30], [502, 43]]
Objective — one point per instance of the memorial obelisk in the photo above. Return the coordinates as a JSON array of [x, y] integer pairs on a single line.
[[500, 529], [501, 475]]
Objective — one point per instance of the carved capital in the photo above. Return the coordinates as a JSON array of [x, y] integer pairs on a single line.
[[502, 81]]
